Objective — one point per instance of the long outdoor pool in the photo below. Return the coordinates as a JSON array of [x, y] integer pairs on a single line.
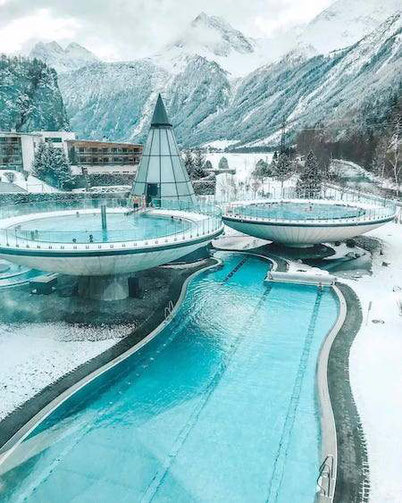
[[219, 407]]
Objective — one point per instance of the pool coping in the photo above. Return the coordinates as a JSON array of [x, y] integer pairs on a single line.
[[329, 439], [17, 438]]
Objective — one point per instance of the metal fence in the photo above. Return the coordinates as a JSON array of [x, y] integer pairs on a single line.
[[105, 221], [345, 207]]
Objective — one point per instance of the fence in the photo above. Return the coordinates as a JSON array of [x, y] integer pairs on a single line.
[[81, 222]]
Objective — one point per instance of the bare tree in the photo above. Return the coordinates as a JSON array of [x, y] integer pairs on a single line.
[[394, 148]]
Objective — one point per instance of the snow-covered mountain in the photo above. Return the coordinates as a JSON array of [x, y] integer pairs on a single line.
[[213, 95], [214, 39], [345, 22], [74, 56], [344, 87], [30, 98]]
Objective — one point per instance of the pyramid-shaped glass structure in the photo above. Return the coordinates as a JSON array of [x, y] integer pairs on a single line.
[[161, 173]]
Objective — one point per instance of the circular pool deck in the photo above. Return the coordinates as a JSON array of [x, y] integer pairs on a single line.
[[300, 223], [73, 241]]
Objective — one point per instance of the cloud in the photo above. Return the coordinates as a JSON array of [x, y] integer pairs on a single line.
[[128, 29]]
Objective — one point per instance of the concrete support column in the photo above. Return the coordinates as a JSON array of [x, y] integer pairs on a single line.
[[105, 288]]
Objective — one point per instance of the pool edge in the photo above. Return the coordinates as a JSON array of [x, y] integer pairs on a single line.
[[12, 443], [329, 440]]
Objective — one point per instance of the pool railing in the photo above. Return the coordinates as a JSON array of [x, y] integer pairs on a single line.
[[189, 222]]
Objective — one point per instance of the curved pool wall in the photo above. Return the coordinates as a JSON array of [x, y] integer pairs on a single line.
[[220, 406], [302, 223]]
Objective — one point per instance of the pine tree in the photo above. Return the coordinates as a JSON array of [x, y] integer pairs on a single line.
[[310, 180], [189, 162], [283, 169], [262, 170], [61, 168], [41, 165], [208, 165], [51, 166], [199, 162], [223, 163]]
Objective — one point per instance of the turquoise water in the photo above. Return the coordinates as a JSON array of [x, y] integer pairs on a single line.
[[219, 407], [120, 227], [299, 211]]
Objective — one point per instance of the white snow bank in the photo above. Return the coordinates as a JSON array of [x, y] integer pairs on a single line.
[[349, 169], [37, 354], [32, 184], [376, 366]]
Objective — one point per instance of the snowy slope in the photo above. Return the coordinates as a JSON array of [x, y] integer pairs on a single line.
[[115, 100], [338, 87], [206, 103], [30, 98], [345, 22], [74, 56]]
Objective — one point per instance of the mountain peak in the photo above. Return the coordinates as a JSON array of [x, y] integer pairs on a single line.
[[74, 56], [211, 35]]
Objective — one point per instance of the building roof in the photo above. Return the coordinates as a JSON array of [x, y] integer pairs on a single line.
[[161, 165], [160, 117], [98, 143]]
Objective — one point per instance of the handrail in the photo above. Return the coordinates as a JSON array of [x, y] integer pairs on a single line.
[[328, 464]]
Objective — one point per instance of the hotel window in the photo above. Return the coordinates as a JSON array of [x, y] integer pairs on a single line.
[[81, 149]]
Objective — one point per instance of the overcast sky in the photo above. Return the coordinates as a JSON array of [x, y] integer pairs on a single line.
[[128, 29]]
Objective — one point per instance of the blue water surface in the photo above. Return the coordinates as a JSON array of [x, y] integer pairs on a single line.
[[299, 211], [219, 407], [81, 226]]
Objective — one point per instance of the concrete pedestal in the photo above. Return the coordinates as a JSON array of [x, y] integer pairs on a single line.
[[105, 288]]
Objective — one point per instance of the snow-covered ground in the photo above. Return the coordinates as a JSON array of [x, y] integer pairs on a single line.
[[242, 185], [376, 366], [244, 163], [37, 354], [32, 184]]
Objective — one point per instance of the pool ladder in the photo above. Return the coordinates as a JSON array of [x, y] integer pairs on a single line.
[[168, 310], [326, 481]]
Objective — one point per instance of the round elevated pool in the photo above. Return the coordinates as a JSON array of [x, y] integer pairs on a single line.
[[300, 223], [103, 239], [86, 227]]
